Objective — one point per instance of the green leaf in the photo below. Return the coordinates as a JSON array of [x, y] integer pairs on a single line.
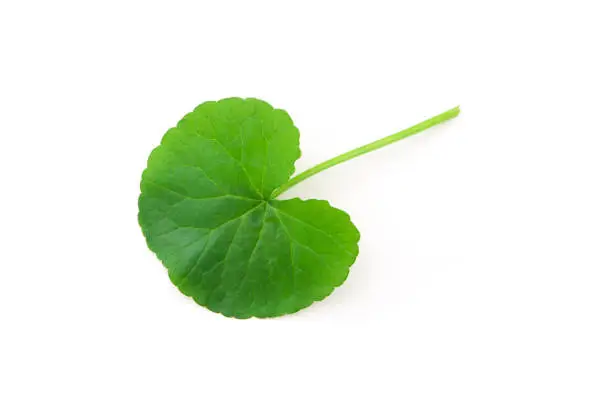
[[207, 211]]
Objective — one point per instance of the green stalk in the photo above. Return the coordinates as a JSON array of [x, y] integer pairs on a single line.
[[443, 117]]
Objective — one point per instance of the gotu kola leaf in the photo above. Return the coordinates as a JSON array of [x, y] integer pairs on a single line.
[[208, 210]]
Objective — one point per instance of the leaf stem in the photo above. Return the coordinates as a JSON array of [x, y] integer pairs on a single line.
[[443, 117]]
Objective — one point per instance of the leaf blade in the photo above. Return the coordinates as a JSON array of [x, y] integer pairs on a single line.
[[205, 211]]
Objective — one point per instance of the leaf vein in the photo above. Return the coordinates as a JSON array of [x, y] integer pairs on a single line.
[[317, 229]]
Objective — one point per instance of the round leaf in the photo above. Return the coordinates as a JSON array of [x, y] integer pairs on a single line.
[[206, 212]]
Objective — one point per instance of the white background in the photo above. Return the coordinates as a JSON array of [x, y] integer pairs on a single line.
[[485, 272]]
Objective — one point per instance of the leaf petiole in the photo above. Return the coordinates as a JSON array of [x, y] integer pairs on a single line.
[[443, 117]]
